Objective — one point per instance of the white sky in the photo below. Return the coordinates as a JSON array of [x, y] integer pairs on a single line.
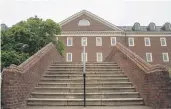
[[118, 12]]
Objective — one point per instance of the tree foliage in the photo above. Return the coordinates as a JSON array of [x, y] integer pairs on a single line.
[[26, 38]]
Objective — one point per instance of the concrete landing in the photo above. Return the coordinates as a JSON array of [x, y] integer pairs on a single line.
[[88, 107]]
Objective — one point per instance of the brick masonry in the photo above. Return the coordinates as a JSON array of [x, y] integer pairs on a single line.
[[156, 49], [19, 81], [152, 82]]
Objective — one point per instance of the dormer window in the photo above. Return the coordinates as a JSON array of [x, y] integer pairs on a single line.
[[83, 22]]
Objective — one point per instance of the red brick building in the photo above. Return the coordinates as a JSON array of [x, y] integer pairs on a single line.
[[152, 43]]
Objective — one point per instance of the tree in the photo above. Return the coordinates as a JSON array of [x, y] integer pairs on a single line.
[[27, 37]]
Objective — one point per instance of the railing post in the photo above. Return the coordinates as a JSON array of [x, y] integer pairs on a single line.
[[84, 75]]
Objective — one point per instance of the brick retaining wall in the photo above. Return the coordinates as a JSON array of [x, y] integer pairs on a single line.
[[19, 81], [151, 81]]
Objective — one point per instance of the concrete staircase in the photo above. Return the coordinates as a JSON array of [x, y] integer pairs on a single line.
[[106, 85]]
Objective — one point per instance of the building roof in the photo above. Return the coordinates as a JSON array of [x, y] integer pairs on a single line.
[[135, 28], [95, 17]]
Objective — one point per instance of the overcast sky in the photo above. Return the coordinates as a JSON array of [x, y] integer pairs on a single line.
[[118, 12]]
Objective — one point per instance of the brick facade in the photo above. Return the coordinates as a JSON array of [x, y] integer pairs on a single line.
[[101, 28]]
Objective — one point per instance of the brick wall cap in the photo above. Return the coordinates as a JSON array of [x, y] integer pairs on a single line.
[[13, 69], [158, 68]]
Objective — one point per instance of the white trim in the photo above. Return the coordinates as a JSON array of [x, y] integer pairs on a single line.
[[167, 55], [85, 57], [151, 57], [82, 41], [129, 40], [111, 39], [67, 55], [147, 39], [92, 35], [99, 43], [93, 16], [69, 38], [57, 39], [84, 22], [148, 35], [97, 57], [163, 38]]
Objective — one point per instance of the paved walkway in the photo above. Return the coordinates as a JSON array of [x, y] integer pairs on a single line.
[[88, 107]]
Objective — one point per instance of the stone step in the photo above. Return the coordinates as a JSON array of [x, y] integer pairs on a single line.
[[80, 89], [86, 63], [88, 95], [88, 80], [99, 84], [81, 76], [77, 102], [87, 67], [82, 64], [87, 72], [93, 69]]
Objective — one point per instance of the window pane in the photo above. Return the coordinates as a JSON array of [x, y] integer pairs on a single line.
[[84, 41]]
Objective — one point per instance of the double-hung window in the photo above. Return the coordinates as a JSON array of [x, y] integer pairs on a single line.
[[149, 57], [69, 41], [163, 41], [69, 57], [98, 41], [113, 41], [165, 57], [99, 57], [131, 41], [147, 41], [84, 56], [84, 41]]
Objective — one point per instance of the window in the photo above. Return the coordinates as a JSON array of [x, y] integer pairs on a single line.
[[163, 41], [98, 41], [149, 57], [165, 57], [99, 57], [83, 57], [147, 41], [84, 41], [69, 57], [83, 22], [69, 41], [131, 41], [113, 41]]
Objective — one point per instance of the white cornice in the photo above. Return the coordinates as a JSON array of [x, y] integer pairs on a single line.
[[95, 17], [148, 35], [113, 33]]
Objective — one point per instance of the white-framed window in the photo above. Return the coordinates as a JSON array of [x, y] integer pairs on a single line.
[[69, 57], [149, 57], [165, 57], [98, 41], [163, 41], [147, 41], [83, 57], [69, 41], [113, 41], [131, 41], [84, 41], [99, 57]]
